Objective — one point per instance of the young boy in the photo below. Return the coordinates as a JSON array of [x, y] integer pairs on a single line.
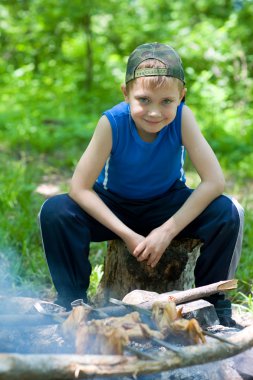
[[130, 184]]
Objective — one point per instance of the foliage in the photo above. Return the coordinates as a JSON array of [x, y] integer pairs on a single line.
[[245, 301], [62, 64]]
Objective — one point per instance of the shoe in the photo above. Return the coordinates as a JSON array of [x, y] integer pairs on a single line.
[[67, 301], [224, 311], [227, 321]]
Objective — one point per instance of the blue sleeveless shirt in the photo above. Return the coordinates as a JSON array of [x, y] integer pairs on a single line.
[[137, 169]]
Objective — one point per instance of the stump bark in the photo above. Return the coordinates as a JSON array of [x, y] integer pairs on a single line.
[[123, 273]]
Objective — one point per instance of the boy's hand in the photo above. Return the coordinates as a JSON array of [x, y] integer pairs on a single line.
[[153, 247], [133, 240]]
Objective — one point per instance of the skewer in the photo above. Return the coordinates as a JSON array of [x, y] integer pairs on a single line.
[[140, 353], [168, 345], [224, 340], [133, 307]]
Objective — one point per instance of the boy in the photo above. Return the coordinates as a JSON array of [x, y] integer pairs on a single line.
[[130, 184]]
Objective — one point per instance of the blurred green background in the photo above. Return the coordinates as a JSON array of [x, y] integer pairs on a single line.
[[61, 65]]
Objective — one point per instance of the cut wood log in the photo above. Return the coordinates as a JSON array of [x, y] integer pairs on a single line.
[[58, 367], [17, 305], [146, 299], [20, 320], [123, 273]]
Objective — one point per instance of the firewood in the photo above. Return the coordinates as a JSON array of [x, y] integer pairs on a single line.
[[17, 305], [99, 339], [58, 367], [173, 315], [170, 322], [9, 321], [70, 326], [134, 297], [110, 335]]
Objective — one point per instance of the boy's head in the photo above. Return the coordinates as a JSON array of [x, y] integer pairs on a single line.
[[157, 62]]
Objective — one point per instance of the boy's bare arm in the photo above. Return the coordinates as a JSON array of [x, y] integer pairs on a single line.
[[206, 164], [84, 177], [210, 187]]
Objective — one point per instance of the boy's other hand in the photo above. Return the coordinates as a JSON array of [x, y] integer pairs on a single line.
[[152, 247]]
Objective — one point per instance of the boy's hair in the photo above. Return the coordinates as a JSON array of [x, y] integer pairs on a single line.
[[169, 62]]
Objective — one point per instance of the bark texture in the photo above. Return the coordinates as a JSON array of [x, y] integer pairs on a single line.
[[123, 273]]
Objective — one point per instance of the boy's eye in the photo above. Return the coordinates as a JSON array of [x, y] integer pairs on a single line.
[[143, 100], [167, 101]]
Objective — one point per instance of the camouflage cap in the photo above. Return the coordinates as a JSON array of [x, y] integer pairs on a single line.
[[161, 52]]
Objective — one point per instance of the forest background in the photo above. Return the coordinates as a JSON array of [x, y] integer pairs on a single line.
[[62, 63]]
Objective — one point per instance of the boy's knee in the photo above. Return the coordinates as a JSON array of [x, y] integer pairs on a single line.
[[239, 208], [228, 212], [53, 208], [237, 212]]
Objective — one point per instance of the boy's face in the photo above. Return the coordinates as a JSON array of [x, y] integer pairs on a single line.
[[152, 108]]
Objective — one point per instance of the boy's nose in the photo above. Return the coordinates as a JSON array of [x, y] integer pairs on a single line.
[[154, 112]]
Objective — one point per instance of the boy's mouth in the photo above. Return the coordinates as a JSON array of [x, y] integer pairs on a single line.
[[153, 121]]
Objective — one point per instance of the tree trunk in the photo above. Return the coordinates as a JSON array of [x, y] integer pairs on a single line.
[[123, 273]]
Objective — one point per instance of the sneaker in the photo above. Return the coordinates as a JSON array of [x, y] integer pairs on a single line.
[[227, 321], [64, 303], [67, 301], [224, 311]]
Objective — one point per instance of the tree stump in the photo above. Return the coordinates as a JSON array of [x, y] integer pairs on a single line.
[[123, 273]]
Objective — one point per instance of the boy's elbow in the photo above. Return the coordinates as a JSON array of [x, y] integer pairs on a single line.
[[76, 192], [73, 192], [220, 184], [216, 185]]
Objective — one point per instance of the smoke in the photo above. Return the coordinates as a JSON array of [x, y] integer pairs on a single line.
[[8, 272], [13, 283]]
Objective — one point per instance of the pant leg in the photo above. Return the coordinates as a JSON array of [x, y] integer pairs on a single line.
[[219, 227], [66, 232]]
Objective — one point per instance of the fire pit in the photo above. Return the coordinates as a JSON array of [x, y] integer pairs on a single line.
[[37, 346]]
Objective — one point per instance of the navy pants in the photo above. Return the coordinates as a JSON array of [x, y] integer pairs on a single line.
[[67, 231]]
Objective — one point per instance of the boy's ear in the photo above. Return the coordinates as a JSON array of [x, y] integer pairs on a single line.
[[124, 91], [183, 94]]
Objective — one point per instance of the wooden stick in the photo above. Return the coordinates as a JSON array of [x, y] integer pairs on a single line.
[[141, 310], [58, 367], [201, 292], [186, 295]]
